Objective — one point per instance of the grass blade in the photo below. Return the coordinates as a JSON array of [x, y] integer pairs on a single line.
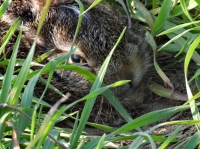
[[162, 17], [4, 6], [9, 71], [194, 109], [170, 138], [90, 102], [9, 34], [193, 141], [101, 141]]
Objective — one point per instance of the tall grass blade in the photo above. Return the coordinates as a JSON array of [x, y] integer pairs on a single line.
[[21, 78], [101, 141], [185, 10], [143, 10], [7, 80], [9, 34], [193, 141], [194, 109], [90, 102], [177, 27], [162, 17], [38, 103], [46, 125], [92, 5], [4, 6], [170, 138], [49, 144], [9, 71], [135, 144], [43, 16]]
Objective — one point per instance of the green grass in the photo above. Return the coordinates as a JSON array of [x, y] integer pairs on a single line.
[[23, 124]]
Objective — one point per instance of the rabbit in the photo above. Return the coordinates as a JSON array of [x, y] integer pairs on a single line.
[[100, 29]]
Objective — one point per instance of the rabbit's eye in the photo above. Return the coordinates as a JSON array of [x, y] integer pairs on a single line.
[[77, 59]]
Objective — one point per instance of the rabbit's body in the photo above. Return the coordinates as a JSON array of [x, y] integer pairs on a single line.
[[100, 29]]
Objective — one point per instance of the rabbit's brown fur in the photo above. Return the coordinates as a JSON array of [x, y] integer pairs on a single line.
[[100, 29]]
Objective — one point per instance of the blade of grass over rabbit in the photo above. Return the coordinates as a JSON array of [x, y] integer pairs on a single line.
[[21, 78], [89, 103], [170, 138], [91, 6], [4, 6], [7, 81], [162, 17], [52, 63], [46, 125], [117, 105], [81, 7], [9, 71], [47, 67], [28, 93], [43, 16], [62, 110], [9, 34], [194, 109], [24, 71], [43, 56], [51, 121]]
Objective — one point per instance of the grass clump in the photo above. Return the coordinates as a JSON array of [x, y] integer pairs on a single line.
[[23, 125]]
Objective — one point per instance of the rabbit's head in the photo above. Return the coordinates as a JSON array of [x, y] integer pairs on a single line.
[[100, 29]]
